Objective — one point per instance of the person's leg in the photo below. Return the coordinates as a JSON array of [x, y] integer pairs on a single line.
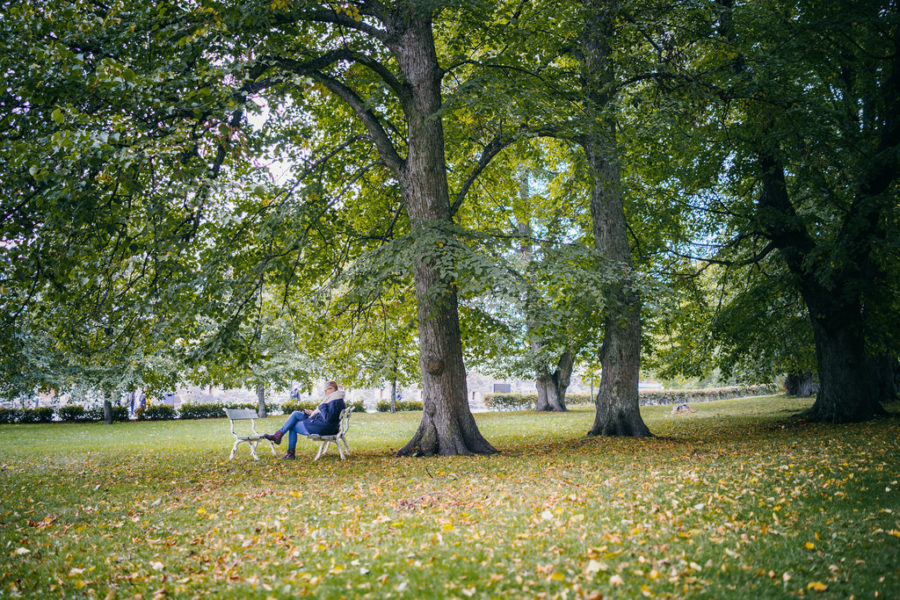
[[298, 429], [296, 416]]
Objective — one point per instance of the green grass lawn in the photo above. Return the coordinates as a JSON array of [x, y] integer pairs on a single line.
[[733, 501]]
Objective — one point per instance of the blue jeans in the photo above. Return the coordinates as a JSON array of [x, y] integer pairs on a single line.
[[293, 426]]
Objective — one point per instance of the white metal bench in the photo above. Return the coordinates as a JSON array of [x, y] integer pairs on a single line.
[[337, 438], [244, 414]]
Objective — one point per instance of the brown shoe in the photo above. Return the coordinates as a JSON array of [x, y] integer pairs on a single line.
[[275, 437], [289, 455]]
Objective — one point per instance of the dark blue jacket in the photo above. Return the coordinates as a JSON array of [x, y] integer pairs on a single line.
[[328, 420]]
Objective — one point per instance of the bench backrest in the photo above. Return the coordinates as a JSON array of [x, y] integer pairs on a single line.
[[345, 420], [236, 414]]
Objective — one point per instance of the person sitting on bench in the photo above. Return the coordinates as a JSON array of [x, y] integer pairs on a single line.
[[325, 420]]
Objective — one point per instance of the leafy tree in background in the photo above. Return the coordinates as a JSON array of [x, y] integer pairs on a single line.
[[747, 324], [270, 357], [794, 108], [537, 306], [599, 54]]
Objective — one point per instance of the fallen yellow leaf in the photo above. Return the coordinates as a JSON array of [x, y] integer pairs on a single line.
[[595, 566]]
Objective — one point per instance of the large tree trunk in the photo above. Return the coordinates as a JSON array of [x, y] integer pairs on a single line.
[[261, 400], [393, 393], [849, 388], [884, 371], [618, 410], [618, 404], [447, 427], [551, 387], [107, 409]]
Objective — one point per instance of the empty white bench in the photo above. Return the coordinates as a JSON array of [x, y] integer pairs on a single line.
[[246, 414], [337, 438]]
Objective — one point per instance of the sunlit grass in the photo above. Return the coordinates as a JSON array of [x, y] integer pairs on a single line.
[[735, 500]]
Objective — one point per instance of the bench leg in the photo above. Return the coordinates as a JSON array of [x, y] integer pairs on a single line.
[[346, 447], [253, 449], [233, 448], [340, 450], [323, 448], [272, 446]]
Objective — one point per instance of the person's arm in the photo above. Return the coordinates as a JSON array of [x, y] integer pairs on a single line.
[[319, 410], [329, 409]]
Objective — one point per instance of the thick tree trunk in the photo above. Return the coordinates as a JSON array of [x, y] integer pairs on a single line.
[[618, 403], [447, 427], [618, 410], [618, 406], [393, 393], [551, 387], [849, 390], [884, 371], [107, 410], [261, 400]]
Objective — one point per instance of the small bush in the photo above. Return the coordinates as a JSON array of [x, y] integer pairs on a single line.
[[385, 405], [201, 411], [510, 401], [119, 413], [289, 407], [578, 399], [528, 401], [42, 414], [156, 412], [647, 397], [656, 397], [252, 405], [71, 412], [358, 406], [9, 415], [95, 414]]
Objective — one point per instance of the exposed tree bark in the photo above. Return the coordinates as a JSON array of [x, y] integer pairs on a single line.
[[107, 409], [551, 387], [261, 400], [394, 391], [848, 391], [618, 410], [886, 375], [447, 427]]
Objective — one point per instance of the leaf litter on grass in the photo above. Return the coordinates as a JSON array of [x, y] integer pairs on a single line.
[[726, 504]]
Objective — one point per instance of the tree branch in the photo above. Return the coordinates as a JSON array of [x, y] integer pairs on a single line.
[[335, 18], [767, 249], [493, 148], [389, 155]]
